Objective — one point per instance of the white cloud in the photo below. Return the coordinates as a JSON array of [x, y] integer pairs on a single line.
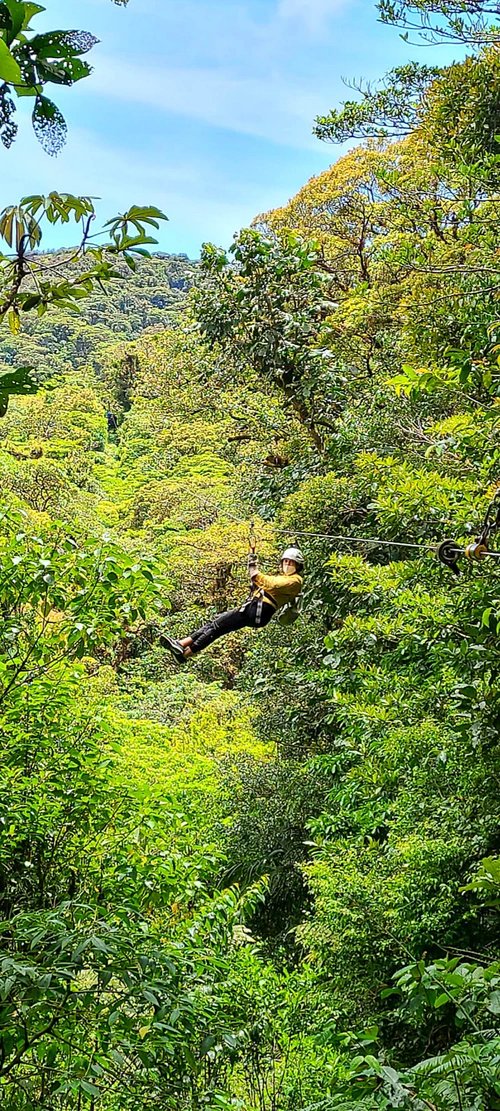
[[239, 66], [275, 110], [200, 201], [313, 13], [227, 63]]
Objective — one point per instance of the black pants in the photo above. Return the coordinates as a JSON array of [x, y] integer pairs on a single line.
[[244, 617]]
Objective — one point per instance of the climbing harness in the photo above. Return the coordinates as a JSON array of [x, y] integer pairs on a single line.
[[260, 596], [290, 612], [260, 606]]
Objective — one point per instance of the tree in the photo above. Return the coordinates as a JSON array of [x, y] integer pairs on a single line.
[[454, 109], [266, 310], [459, 114], [391, 109], [115, 955]]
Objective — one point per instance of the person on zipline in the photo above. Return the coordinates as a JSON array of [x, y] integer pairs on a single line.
[[112, 421], [268, 594]]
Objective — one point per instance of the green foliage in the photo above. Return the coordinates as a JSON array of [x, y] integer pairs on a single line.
[[152, 297], [30, 61], [390, 109], [270, 802], [455, 108], [266, 881], [62, 597], [443, 20], [367, 803], [28, 282], [266, 312], [459, 113]]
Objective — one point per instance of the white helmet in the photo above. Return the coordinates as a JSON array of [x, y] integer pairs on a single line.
[[294, 554]]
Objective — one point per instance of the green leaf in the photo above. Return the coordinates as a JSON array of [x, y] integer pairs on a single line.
[[9, 68], [30, 10], [189, 1058], [17, 13], [207, 1044], [89, 1089], [494, 1003], [18, 381]]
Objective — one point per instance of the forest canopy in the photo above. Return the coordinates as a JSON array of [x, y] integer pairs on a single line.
[[269, 879]]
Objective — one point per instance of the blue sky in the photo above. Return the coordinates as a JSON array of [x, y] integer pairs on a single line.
[[202, 107]]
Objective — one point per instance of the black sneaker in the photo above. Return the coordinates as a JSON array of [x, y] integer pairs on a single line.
[[174, 646]]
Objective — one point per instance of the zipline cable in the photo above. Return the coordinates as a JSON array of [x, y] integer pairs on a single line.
[[376, 541], [318, 535]]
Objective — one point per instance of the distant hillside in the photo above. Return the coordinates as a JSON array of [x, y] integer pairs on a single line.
[[150, 298]]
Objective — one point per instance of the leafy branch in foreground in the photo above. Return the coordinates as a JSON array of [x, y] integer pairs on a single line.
[[467, 21], [454, 110], [29, 62], [30, 281], [389, 110]]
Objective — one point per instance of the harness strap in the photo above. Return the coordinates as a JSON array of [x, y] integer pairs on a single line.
[[260, 595], [259, 592]]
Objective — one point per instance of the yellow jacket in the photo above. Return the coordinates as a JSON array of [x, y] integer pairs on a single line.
[[279, 589]]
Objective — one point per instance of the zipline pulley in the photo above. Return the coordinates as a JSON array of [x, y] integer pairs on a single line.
[[449, 552], [476, 551], [479, 549]]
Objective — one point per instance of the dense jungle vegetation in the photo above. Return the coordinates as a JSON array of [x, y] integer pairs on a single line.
[[268, 880], [150, 299]]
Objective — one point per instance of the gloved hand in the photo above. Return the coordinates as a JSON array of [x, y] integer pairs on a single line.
[[251, 560]]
